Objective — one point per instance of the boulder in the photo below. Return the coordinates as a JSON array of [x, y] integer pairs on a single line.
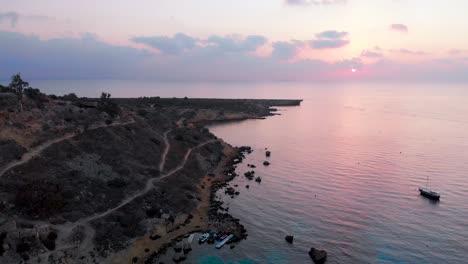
[[268, 153], [266, 163], [289, 239], [178, 257], [178, 247], [318, 256], [258, 179]]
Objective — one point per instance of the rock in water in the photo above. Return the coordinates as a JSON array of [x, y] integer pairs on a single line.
[[178, 247], [318, 256], [266, 163], [258, 179], [268, 153], [289, 239]]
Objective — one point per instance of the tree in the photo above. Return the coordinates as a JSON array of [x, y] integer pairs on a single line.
[[18, 85], [106, 105]]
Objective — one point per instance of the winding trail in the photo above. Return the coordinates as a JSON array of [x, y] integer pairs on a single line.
[[149, 185], [66, 230], [86, 244], [33, 152], [166, 151]]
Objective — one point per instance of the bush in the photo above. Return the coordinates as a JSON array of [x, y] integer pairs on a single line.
[[22, 247], [52, 235], [106, 105], [49, 244], [117, 183], [33, 93], [153, 212], [70, 97], [142, 112], [40, 198]]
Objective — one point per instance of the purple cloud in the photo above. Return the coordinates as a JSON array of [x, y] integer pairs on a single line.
[[62, 58], [399, 27], [328, 43], [283, 50], [371, 54], [170, 45], [227, 59], [9, 17], [231, 44], [314, 2], [411, 52], [181, 43], [330, 39], [332, 34]]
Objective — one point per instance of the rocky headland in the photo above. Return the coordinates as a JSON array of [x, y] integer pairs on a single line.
[[112, 180]]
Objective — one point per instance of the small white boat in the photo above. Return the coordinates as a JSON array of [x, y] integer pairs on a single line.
[[202, 239], [224, 241], [429, 193]]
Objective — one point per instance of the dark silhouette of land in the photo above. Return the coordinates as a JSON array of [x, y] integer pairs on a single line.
[[106, 180]]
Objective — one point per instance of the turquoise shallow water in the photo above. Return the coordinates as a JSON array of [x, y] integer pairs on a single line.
[[345, 168]]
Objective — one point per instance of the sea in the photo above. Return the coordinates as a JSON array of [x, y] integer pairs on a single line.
[[345, 169]]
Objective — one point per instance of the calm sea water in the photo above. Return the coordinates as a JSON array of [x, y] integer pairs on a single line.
[[345, 168]]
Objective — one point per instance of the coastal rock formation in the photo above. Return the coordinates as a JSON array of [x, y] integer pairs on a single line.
[[289, 239], [317, 255], [84, 180], [267, 153], [266, 163]]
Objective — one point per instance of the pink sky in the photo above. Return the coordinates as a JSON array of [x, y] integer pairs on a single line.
[[234, 40]]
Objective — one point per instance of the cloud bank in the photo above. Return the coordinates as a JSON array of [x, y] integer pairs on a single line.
[[216, 58], [9, 17], [330, 40]]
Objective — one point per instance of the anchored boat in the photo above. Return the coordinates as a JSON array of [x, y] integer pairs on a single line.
[[428, 193]]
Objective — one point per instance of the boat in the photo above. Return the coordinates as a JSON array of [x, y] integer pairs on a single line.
[[202, 239], [224, 241], [428, 193]]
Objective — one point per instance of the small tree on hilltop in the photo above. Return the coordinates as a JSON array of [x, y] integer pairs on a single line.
[[106, 105], [18, 85]]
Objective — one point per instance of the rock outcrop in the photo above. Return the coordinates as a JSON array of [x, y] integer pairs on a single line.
[[318, 256]]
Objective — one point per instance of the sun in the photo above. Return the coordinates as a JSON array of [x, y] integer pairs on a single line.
[[353, 70]]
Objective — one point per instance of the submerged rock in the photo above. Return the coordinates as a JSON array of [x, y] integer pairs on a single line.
[[318, 256], [289, 239]]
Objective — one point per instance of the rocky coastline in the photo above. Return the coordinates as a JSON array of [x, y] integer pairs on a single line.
[[114, 180]]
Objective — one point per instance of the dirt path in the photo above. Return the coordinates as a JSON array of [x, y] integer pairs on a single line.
[[166, 151], [198, 223], [65, 231], [33, 152], [149, 185]]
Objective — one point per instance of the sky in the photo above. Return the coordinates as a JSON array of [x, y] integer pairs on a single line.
[[221, 40]]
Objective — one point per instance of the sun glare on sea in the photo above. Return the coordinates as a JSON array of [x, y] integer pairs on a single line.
[[353, 70]]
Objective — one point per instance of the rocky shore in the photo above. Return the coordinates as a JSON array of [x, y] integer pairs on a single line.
[[113, 180]]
